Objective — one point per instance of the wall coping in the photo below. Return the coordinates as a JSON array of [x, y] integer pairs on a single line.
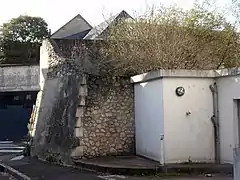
[[185, 73], [17, 65]]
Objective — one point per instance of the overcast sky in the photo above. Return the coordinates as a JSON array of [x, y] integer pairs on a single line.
[[58, 12]]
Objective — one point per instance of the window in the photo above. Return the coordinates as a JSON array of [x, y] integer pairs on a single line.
[[16, 98], [28, 97]]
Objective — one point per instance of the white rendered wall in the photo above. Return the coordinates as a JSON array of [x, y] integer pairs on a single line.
[[188, 137], [228, 92], [19, 78], [149, 118]]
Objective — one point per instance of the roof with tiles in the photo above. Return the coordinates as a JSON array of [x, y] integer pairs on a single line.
[[101, 30], [76, 28], [79, 28]]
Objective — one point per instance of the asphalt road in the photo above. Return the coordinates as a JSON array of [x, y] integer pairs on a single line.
[[168, 178], [199, 178], [10, 150], [75, 176], [4, 176]]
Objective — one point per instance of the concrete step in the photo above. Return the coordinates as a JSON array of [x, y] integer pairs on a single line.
[[134, 165]]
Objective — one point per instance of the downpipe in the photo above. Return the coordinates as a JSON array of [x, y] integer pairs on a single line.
[[215, 121], [162, 153]]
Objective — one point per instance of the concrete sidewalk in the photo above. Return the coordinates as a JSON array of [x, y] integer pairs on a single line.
[[39, 170], [134, 165]]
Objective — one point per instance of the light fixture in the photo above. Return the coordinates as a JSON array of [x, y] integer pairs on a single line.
[[180, 91]]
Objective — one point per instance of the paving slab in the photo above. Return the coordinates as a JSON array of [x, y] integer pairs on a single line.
[[38, 170], [134, 165]]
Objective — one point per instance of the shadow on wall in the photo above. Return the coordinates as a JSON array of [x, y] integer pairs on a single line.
[[53, 129], [56, 129]]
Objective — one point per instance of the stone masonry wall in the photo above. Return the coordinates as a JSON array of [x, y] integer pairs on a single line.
[[54, 136], [54, 120], [108, 122], [80, 114]]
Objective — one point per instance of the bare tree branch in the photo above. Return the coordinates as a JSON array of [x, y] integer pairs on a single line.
[[171, 38]]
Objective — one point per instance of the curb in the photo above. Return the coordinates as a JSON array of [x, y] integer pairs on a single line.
[[198, 170], [13, 172], [119, 170], [69, 166], [167, 170]]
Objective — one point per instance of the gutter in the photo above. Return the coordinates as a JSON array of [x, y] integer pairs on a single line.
[[215, 121]]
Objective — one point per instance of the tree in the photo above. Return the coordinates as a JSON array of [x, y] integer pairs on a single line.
[[170, 38], [21, 38], [25, 29]]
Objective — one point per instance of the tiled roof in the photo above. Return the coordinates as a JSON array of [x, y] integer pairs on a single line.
[[98, 32], [76, 26], [79, 35]]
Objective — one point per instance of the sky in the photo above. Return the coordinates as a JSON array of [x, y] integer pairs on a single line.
[[57, 12]]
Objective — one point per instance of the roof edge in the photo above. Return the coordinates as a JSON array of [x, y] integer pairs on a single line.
[[185, 73], [78, 15]]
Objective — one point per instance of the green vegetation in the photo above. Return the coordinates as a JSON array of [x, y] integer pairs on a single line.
[[20, 39], [168, 37]]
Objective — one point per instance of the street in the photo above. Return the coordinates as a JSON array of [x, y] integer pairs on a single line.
[[116, 177], [10, 152], [4, 176], [10, 147]]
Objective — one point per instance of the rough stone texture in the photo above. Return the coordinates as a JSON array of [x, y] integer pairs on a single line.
[[108, 123], [54, 137], [54, 118], [81, 112], [86, 54], [59, 65]]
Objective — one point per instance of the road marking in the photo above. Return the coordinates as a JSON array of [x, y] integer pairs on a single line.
[[17, 158], [6, 142], [112, 177], [10, 151], [11, 147]]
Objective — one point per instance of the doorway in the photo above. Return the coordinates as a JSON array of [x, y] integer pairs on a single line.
[[15, 111]]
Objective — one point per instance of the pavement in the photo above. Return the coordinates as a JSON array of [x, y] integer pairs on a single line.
[[10, 147], [39, 170], [5, 176], [135, 165], [10, 150], [11, 155], [168, 178]]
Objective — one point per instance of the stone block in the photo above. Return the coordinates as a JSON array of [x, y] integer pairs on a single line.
[[83, 90], [79, 112], [83, 80], [78, 151], [79, 122], [81, 101], [79, 132]]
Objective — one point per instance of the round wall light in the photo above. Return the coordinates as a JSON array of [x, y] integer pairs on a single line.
[[180, 91]]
